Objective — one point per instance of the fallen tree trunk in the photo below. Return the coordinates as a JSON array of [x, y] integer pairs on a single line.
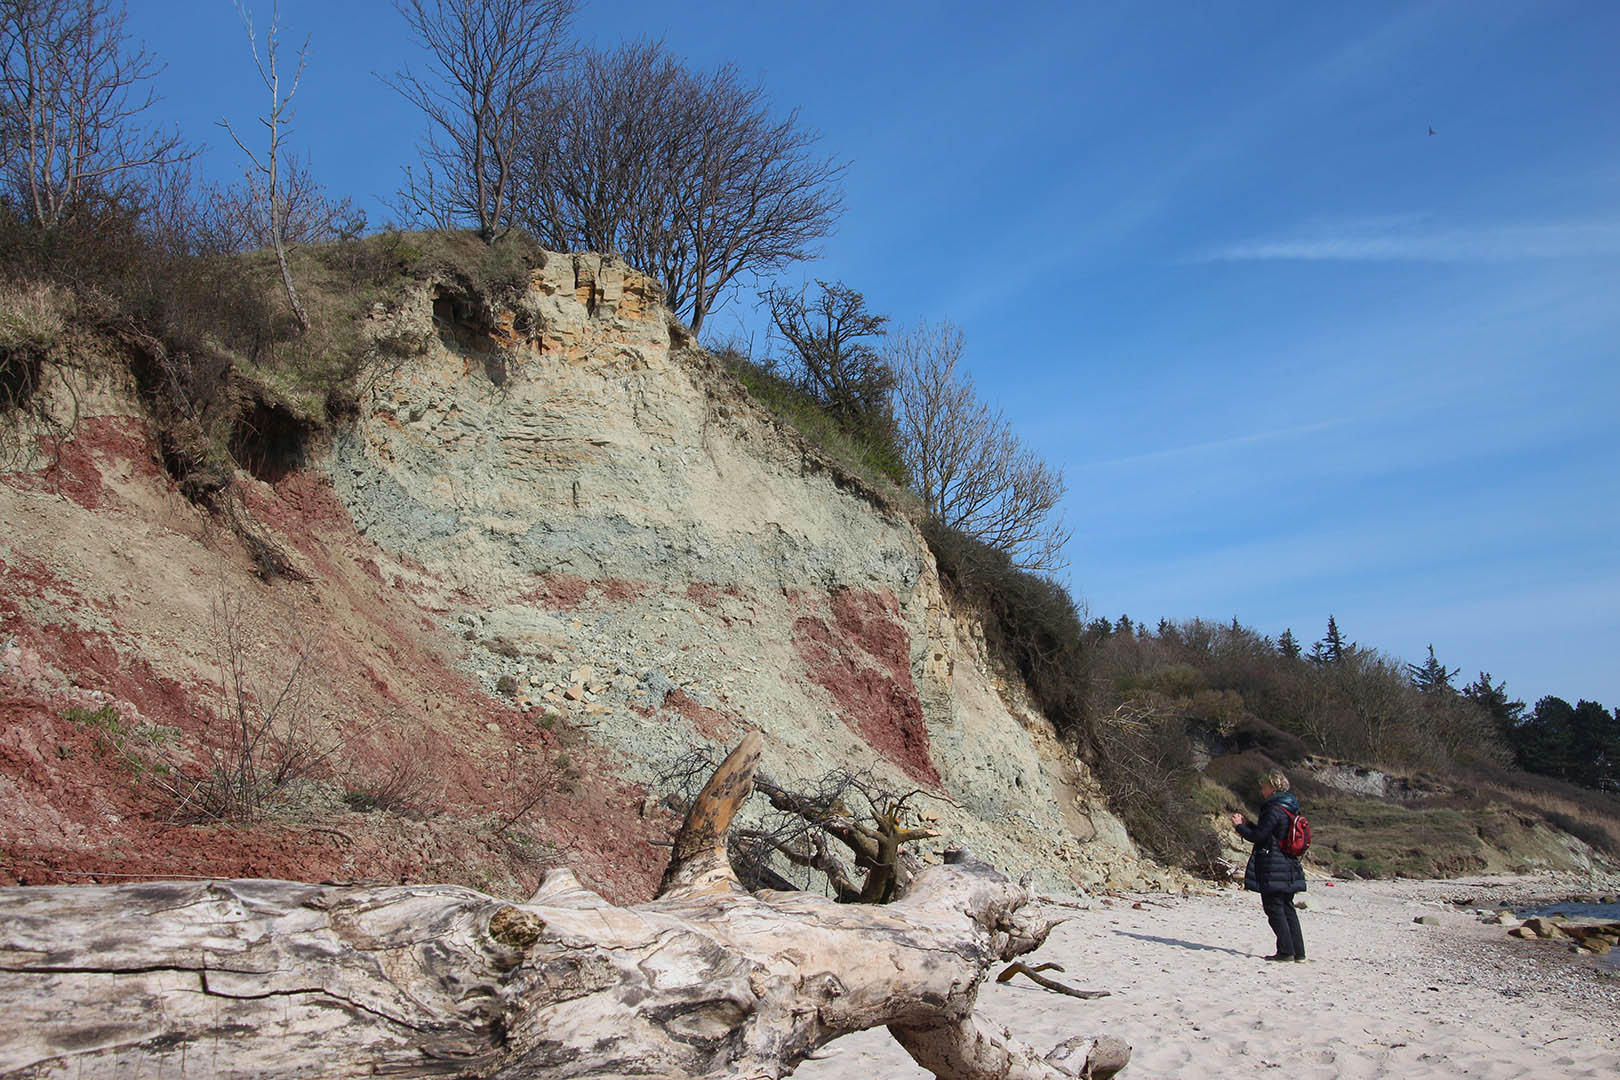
[[282, 979]]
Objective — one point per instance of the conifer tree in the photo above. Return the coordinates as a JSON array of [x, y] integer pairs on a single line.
[[1505, 712], [1288, 644], [1432, 677], [1332, 648]]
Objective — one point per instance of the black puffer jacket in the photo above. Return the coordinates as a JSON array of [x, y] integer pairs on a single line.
[[1269, 870]]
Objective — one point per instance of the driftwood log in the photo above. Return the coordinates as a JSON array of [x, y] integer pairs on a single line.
[[259, 978]]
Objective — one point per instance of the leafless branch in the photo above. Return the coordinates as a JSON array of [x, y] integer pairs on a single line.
[[689, 176], [486, 59], [973, 472], [829, 333], [72, 95], [266, 170]]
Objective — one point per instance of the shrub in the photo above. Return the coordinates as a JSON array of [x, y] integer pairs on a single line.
[[398, 788], [141, 748], [869, 450], [1241, 773], [1031, 624], [261, 737], [1141, 754], [1252, 733], [1145, 766]]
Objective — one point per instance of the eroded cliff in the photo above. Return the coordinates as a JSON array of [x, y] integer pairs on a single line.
[[555, 548]]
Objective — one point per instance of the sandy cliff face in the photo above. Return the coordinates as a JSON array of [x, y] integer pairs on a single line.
[[575, 482], [556, 549]]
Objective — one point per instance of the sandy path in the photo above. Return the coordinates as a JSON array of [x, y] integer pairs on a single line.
[[1381, 995]]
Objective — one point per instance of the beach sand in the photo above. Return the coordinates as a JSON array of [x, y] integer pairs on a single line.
[[1380, 996]]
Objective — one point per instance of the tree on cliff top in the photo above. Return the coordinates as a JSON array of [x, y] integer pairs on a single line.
[[1432, 677], [828, 332], [1333, 648], [486, 59], [72, 95], [689, 176], [265, 176], [973, 472]]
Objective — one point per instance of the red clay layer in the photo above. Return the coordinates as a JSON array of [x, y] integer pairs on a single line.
[[863, 665]]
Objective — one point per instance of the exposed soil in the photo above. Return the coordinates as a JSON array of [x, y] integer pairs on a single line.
[[864, 664], [115, 696]]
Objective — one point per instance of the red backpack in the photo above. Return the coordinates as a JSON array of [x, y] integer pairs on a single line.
[[1296, 839]]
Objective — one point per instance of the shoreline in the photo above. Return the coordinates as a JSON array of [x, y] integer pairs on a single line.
[[1382, 995]]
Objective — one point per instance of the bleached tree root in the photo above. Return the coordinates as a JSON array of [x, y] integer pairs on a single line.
[[282, 979]]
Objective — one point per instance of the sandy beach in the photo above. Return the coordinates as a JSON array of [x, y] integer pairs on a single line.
[[1381, 995]]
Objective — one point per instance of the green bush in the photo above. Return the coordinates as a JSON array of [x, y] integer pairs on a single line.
[[1031, 625], [140, 748], [869, 448], [1034, 629]]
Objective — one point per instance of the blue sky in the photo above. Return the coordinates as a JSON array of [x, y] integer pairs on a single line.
[[1295, 355]]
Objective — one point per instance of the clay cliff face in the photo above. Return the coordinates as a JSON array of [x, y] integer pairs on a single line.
[[557, 548]]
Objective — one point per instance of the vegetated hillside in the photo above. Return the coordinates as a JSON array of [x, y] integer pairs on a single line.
[[444, 589], [1209, 708]]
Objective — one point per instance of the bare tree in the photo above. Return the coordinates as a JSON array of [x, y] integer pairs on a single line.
[[308, 214], [265, 173], [828, 334], [71, 98], [602, 154], [487, 59], [689, 176], [973, 472]]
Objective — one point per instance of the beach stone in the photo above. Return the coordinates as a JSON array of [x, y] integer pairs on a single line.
[[1544, 927], [1428, 920], [1597, 945], [1523, 932]]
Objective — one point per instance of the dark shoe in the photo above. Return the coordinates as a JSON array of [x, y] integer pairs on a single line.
[[1299, 960], [1280, 956]]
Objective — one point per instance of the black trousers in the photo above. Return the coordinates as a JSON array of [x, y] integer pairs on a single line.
[[1284, 922]]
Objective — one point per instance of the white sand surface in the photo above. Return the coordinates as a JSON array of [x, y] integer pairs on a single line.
[[1380, 996]]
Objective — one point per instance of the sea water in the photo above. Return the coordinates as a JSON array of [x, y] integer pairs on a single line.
[[1572, 910]]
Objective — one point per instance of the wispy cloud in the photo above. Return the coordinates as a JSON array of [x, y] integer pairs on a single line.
[[1216, 446], [1410, 240]]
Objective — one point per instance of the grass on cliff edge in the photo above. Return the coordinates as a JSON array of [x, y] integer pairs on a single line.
[[872, 456]]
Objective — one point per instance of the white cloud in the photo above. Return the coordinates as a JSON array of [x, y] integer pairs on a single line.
[[1215, 446], [1408, 240]]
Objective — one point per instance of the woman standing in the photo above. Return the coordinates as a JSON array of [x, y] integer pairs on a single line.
[[1275, 876]]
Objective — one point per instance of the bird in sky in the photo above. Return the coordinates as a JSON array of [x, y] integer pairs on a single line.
[[1431, 131]]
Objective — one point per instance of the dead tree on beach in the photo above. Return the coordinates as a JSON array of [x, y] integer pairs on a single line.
[[283, 979]]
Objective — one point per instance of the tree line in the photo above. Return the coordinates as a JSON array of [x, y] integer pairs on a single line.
[[1345, 700]]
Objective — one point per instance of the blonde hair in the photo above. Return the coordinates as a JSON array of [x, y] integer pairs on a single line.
[[1275, 780]]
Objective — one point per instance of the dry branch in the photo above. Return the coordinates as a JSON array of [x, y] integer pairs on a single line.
[[1035, 976], [282, 979]]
